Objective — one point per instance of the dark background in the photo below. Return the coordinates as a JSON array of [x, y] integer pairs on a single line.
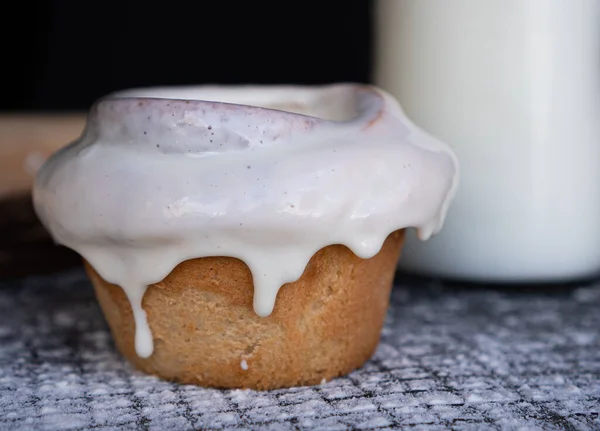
[[62, 55]]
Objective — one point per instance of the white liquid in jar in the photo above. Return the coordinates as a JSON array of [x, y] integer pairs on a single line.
[[514, 87]]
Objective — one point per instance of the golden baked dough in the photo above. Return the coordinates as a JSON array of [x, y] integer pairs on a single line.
[[206, 332]]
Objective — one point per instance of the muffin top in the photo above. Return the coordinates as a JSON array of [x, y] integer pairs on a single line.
[[266, 174]]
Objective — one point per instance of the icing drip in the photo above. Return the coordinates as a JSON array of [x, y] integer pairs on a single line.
[[155, 181], [144, 345]]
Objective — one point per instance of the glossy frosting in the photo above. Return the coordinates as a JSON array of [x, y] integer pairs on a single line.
[[163, 175]]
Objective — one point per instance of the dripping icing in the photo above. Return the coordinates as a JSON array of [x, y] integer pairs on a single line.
[[164, 175]]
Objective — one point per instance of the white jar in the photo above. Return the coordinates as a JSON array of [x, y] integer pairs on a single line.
[[514, 87]]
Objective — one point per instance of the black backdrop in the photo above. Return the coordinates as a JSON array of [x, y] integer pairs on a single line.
[[65, 54]]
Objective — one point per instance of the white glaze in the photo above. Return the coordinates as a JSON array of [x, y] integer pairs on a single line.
[[156, 180]]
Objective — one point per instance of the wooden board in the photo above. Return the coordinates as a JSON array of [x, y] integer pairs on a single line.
[[26, 141]]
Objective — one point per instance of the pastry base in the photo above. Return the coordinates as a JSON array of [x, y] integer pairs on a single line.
[[206, 332]]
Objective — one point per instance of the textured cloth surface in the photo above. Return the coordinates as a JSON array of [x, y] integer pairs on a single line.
[[449, 358]]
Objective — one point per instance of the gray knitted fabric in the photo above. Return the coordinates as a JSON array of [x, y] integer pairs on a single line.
[[449, 358]]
